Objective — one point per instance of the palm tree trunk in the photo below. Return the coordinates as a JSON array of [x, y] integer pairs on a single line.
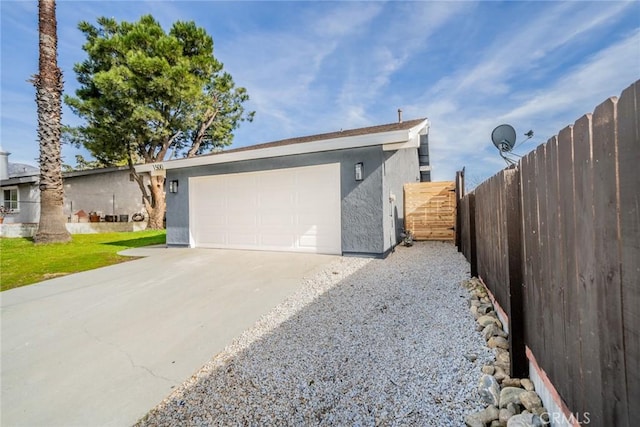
[[48, 85]]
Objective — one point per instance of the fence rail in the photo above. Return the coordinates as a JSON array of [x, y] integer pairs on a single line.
[[557, 242]]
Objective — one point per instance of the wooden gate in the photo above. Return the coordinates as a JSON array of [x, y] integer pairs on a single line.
[[430, 210]]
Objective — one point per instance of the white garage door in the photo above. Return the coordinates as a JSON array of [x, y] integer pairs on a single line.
[[295, 209]]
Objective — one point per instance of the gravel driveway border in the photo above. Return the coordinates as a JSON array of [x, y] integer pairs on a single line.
[[364, 342]]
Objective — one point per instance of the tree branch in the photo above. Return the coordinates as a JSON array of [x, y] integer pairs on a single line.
[[166, 145], [202, 130]]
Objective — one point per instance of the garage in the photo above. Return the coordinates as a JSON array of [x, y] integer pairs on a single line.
[[294, 209], [333, 193]]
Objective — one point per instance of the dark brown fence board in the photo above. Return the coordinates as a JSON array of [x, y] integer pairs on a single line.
[[629, 171], [573, 390], [542, 279], [519, 367], [468, 231], [609, 298], [459, 196], [535, 262], [492, 252], [587, 288], [527, 171], [554, 244], [502, 253]]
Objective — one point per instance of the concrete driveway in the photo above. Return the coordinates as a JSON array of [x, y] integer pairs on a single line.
[[104, 346]]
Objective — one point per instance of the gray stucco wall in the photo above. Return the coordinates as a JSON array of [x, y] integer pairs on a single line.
[[28, 204], [362, 210], [400, 167], [91, 191], [109, 192]]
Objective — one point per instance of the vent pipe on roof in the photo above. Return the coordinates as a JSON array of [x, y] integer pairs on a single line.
[[399, 115]]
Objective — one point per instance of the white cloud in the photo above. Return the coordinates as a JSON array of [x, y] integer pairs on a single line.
[[604, 74], [466, 105]]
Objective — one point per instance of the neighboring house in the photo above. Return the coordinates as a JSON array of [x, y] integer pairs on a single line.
[[108, 191], [19, 190], [335, 193]]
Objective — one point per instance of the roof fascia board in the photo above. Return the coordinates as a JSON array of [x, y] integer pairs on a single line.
[[401, 137], [413, 142], [17, 180]]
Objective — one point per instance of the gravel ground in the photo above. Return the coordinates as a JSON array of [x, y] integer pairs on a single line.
[[362, 343]]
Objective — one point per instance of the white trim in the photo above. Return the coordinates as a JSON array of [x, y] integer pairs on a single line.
[[391, 140], [412, 142], [17, 201]]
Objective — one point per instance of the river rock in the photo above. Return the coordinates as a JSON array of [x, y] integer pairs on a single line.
[[500, 374], [502, 357], [505, 414], [527, 384], [489, 390], [498, 342], [511, 382], [488, 369], [471, 357], [482, 418], [492, 330], [530, 400], [514, 407], [485, 308], [525, 420], [488, 319], [510, 395]]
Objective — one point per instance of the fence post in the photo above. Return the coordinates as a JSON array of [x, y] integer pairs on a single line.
[[459, 196], [473, 255], [519, 366]]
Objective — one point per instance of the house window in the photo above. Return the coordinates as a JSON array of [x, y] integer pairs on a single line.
[[10, 198]]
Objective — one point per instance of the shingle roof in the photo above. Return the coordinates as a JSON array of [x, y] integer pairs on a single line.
[[22, 169], [331, 135]]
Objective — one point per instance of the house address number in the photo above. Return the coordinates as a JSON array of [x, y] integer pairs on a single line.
[[157, 169]]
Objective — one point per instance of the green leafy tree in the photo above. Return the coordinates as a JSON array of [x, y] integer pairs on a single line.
[[83, 164], [48, 83], [149, 95]]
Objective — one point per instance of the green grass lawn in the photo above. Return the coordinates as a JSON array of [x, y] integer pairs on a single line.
[[22, 262]]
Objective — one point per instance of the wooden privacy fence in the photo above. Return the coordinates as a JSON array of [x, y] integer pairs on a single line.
[[430, 210], [557, 242]]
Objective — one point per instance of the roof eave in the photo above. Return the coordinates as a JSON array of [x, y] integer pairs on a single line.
[[391, 140], [17, 180]]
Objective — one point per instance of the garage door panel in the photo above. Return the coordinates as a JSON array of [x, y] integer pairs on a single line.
[[241, 218], [280, 222], [242, 241], [269, 199], [296, 209], [277, 240], [213, 236]]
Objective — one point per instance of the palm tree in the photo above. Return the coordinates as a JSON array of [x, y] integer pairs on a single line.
[[48, 85]]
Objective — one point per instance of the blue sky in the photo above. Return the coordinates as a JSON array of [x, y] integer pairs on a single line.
[[314, 67]]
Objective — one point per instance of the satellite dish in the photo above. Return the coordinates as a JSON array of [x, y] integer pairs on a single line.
[[504, 137]]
